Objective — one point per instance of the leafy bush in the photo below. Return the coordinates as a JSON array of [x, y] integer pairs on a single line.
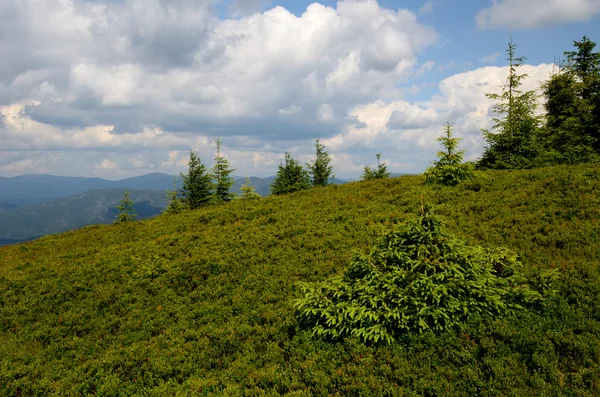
[[417, 279]]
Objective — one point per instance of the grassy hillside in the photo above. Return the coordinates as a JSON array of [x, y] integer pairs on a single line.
[[200, 303]]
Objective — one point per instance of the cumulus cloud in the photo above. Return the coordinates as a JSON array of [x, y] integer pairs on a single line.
[[519, 14], [121, 88]]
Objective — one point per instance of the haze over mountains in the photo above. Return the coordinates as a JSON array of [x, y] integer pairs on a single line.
[[35, 205]]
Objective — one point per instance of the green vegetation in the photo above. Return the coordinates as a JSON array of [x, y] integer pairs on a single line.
[[249, 191], [197, 183], [126, 212], [201, 303], [291, 177], [221, 174], [569, 131], [375, 173], [449, 169], [416, 279], [514, 144], [175, 203], [320, 170]]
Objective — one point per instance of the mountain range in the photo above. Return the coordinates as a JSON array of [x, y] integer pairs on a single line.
[[35, 205]]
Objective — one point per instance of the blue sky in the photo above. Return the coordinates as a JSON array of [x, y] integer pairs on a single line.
[[118, 88]]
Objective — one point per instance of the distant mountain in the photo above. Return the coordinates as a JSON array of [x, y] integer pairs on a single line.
[[5, 206], [60, 215], [38, 188]]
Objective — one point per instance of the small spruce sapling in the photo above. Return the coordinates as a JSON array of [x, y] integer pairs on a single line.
[[249, 191], [449, 169], [126, 211], [418, 279], [176, 204], [379, 173]]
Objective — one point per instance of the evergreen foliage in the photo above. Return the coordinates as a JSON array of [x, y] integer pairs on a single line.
[[416, 279], [573, 106], [514, 143], [320, 170], [125, 208], [291, 177], [221, 173], [197, 186], [248, 191], [449, 169], [375, 173], [175, 204]]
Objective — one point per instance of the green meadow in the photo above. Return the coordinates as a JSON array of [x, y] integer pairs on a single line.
[[201, 303]]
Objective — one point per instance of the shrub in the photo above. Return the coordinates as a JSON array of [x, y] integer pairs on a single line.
[[416, 279]]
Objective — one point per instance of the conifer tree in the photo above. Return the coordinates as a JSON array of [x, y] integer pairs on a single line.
[[176, 204], [222, 179], [125, 208], [320, 170], [291, 177], [514, 143], [196, 190], [573, 106], [378, 173], [249, 191], [449, 168]]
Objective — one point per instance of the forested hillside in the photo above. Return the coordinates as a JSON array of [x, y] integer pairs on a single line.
[[201, 303]]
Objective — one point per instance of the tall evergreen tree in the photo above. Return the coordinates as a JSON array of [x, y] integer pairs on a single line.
[[291, 177], [375, 173], [221, 173], [573, 105], [125, 208], [514, 143], [320, 170], [196, 190], [449, 168]]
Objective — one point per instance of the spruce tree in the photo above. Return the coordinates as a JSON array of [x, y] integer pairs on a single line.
[[291, 177], [196, 190], [320, 170], [125, 208], [449, 169], [514, 143], [222, 179], [375, 173], [249, 191], [573, 106], [176, 204]]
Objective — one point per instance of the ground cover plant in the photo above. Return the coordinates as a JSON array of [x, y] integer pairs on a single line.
[[200, 303]]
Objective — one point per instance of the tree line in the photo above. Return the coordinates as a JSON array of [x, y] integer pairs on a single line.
[[567, 132]]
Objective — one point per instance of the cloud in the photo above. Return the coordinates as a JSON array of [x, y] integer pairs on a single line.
[[426, 8], [519, 14], [490, 58]]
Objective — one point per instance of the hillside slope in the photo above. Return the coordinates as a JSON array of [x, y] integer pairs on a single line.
[[200, 303]]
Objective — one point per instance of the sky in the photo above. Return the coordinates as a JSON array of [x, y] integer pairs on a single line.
[[120, 88]]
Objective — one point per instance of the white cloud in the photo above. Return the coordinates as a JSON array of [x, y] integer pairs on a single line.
[[528, 14]]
